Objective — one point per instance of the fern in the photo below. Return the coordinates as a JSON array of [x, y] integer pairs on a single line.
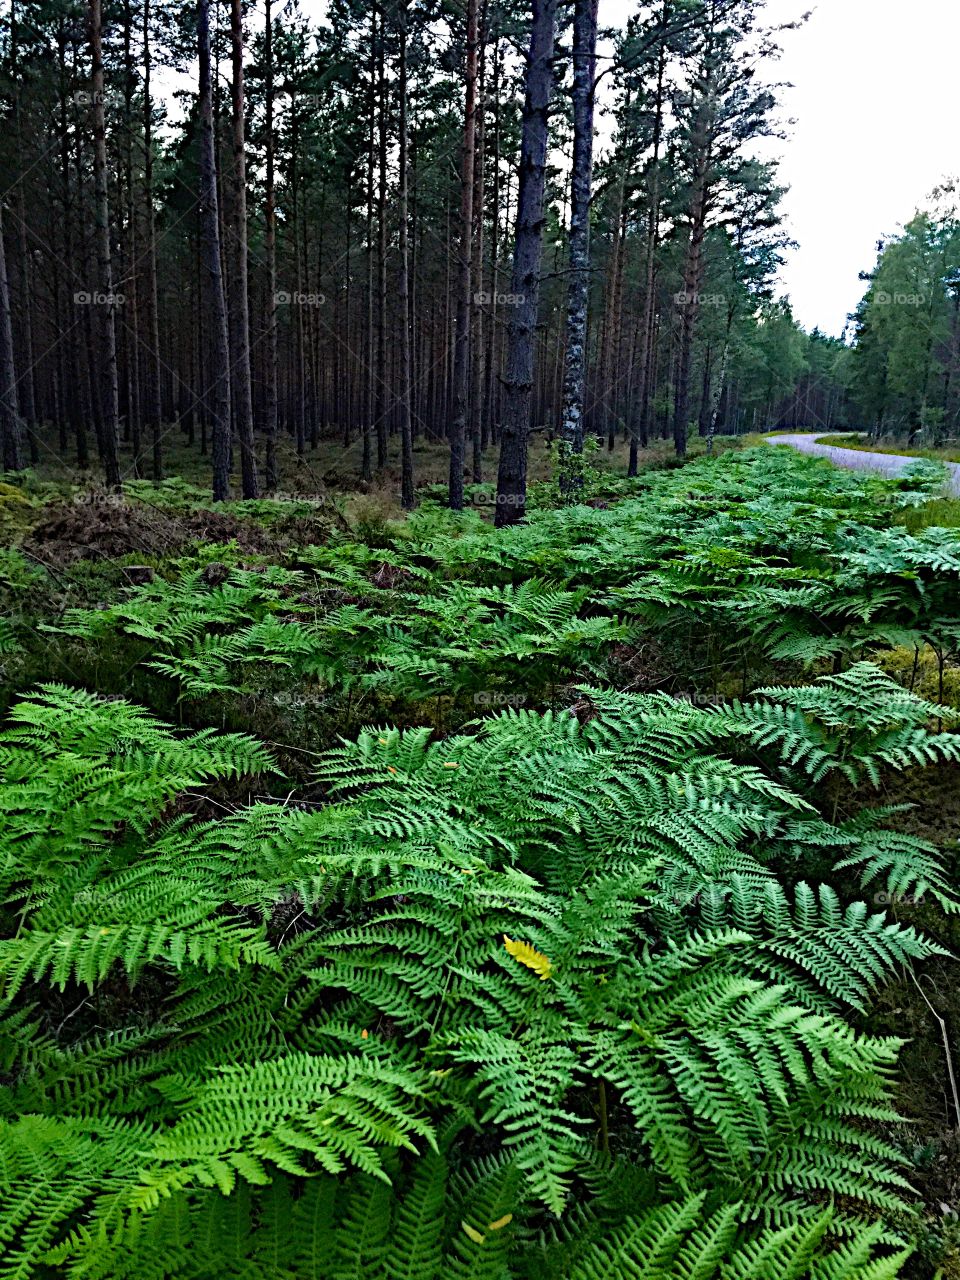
[[561, 994]]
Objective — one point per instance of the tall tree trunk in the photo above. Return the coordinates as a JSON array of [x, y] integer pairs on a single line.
[[105, 308], [476, 328], [11, 425], [27, 397], [370, 402], [527, 255], [403, 288], [239, 302], [693, 267], [703, 417], [72, 401], [270, 252], [153, 411], [640, 418], [461, 355], [578, 294], [381, 365], [720, 385], [493, 334], [218, 380], [689, 313], [130, 267], [22, 263]]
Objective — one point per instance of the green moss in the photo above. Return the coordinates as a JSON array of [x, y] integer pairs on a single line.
[[920, 672]]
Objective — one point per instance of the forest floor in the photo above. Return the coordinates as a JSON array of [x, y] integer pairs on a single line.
[[333, 467], [858, 458], [72, 546]]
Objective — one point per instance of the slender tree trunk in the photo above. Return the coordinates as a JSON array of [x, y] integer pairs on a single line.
[[370, 404], [218, 380], [11, 424], [613, 341], [22, 263], [488, 428], [527, 255], [689, 313], [403, 289], [693, 271], [381, 365], [130, 268], [703, 417], [720, 385], [105, 308], [476, 328], [578, 294], [239, 309], [270, 252], [461, 355], [27, 397], [640, 419], [73, 398], [153, 411]]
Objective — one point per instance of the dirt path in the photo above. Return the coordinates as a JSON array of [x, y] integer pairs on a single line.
[[888, 464]]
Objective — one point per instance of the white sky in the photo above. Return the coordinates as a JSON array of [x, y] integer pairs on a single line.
[[875, 105], [873, 98]]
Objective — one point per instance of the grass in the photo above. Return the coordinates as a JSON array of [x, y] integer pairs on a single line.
[[940, 513]]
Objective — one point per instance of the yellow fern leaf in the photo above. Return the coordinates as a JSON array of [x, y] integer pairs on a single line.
[[529, 956]]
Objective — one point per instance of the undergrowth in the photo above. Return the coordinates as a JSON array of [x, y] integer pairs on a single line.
[[523, 973]]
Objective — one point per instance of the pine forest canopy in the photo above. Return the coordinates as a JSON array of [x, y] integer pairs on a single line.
[[457, 295]]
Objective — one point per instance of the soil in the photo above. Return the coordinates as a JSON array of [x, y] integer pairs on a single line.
[[108, 528]]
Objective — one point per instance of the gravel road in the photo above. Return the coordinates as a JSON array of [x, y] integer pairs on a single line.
[[889, 464]]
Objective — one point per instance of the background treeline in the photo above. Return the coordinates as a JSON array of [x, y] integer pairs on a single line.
[[334, 174], [905, 374]]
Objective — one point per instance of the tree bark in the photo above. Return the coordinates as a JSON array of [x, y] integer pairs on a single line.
[[461, 355], [153, 411], [10, 421], [129, 267], [640, 418], [239, 302], [270, 252], [578, 294], [527, 256], [370, 401], [476, 325], [403, 287], [218, 381], [105, 309], [381, 365]]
